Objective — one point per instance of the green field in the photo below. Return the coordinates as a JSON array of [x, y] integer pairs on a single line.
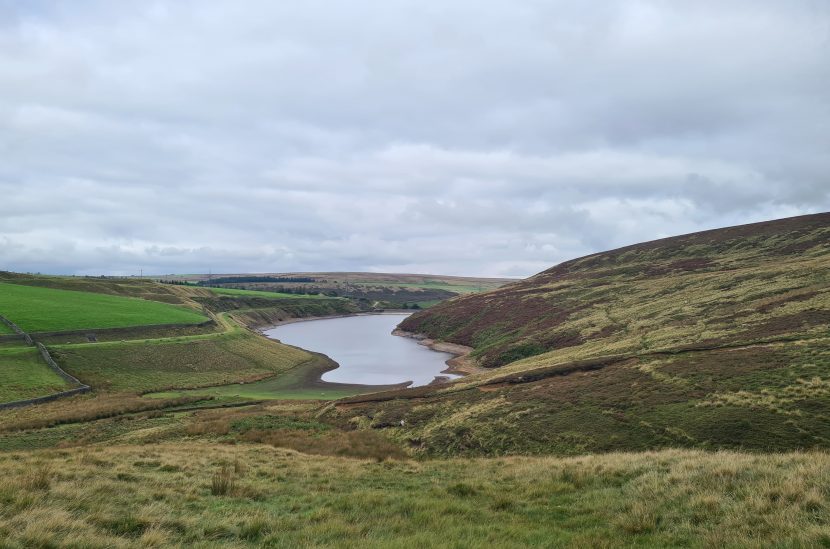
[[37, 309], [257, 293], [23, 374], [5, 329], [152, 365]]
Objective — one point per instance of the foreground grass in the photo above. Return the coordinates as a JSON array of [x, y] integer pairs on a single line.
[[206, 495], [23, 374], [37, 309]]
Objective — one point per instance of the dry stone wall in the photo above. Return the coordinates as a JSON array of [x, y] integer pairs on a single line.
[[44, 353]]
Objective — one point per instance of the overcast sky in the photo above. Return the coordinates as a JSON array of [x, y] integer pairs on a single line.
[[453, 137]]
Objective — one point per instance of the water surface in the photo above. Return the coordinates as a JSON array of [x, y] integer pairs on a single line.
[[365, 349]]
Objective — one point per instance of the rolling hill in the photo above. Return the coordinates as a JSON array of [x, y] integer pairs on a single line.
[[716, 339], [703, 342]]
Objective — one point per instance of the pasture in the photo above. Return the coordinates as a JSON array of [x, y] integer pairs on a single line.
[[23, 374], [167, 363], [37, 309]]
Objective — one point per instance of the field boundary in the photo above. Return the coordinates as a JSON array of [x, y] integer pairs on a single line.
[[17, 330], [47, 398], [44, 353], [122, 329], [57, 369]]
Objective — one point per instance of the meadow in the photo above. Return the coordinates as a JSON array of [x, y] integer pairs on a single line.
[[151, 365], [38, 309], [23, 374], [202, 494]]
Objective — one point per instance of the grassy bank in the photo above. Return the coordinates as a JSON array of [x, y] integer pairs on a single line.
[[203, 495], [301, 382], [149, 365], [37, 309]]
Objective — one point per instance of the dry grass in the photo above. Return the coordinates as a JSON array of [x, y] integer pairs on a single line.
[[254, 495], [223, 482], [84, 409]]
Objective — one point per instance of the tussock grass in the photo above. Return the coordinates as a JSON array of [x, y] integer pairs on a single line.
[[195, 493], [223, 482]]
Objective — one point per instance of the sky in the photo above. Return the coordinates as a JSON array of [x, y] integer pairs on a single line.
[[488, 138]]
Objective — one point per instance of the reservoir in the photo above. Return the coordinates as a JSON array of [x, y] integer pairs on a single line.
[[365, 349]]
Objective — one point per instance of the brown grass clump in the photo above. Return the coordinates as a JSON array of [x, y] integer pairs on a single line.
[[223, 482], [37, 477]]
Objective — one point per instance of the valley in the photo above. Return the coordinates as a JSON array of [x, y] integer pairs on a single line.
[[668, 393]]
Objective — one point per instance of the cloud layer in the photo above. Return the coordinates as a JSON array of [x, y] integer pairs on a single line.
[[458, 137]]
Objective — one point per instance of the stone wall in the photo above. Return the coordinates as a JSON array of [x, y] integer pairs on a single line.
[[44, 353]]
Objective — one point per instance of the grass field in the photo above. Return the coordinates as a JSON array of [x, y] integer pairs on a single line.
[[23, 374], [5, 329], [37, 309], [202, 494], [299, 383], [257, 293], [153, 365]]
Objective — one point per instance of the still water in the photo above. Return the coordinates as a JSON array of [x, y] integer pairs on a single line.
[[365, 349]]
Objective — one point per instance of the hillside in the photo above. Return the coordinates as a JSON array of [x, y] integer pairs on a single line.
[[366, 290], [717, 339], [127, 336]]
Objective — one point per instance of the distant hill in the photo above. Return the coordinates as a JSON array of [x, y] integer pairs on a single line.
[[713, 339], [367, 290]]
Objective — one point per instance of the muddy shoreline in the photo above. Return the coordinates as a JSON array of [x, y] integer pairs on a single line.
[[462, 364]]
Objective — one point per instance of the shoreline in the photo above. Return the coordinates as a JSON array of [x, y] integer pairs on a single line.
[[462, 364]]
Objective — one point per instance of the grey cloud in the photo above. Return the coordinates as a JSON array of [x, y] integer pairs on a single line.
[[463, 137]]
